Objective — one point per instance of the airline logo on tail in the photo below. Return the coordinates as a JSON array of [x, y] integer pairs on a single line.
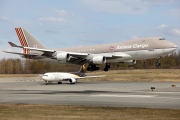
[[22, 39], [83, 69]]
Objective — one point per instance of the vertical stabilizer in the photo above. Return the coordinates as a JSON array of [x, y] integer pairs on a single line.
[[82, 69], [27, 40]]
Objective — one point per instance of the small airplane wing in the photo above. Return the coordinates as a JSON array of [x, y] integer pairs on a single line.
[[92, 76], [78, 77]]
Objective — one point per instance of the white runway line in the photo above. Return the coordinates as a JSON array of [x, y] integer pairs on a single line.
[[165, 92], [132, 96]]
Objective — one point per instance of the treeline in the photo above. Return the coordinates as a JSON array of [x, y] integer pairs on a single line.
[[26, 66]]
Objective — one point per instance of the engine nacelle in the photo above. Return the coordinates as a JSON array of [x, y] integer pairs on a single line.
[[130, 62], [63, 56], [72, 80], [99, 59]]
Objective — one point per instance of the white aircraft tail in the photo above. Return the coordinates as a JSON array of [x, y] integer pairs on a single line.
[[82, 69], [27, 40]]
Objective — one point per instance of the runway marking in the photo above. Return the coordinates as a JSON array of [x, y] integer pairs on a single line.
[[134, 96], [168, 98], [165, 92]]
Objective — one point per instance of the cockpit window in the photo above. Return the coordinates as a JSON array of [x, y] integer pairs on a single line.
[[161, 38]]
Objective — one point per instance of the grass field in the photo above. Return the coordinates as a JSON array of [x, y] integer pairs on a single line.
[[47, 112], [146, 75], [18, 75]]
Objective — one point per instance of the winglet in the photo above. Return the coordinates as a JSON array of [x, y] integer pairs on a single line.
[[14, 45]]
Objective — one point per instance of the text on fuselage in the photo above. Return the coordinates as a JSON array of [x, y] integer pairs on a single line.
[[132, 46]]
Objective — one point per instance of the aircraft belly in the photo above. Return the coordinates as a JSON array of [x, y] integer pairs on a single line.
[[153, 53], [145, 54], [170, 50]]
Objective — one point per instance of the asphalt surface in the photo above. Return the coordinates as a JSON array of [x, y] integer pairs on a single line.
[[91, 93]]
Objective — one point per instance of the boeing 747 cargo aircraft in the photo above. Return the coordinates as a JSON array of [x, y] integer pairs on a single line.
[[127, 52]]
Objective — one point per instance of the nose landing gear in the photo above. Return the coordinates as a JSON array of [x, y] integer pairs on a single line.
[[158, 63]]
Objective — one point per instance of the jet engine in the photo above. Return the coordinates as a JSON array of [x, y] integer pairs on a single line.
[[72, 80], [62, 56], [98, 60], [130, 62]]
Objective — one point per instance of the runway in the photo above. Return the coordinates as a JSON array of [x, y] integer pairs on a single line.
[[93, 93]]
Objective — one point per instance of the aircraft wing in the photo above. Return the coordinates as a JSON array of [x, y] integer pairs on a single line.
[[80, 55], [74, 54], [119, 55]]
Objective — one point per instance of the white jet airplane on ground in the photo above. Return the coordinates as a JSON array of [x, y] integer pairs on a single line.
[[64, 76], [124, 52]]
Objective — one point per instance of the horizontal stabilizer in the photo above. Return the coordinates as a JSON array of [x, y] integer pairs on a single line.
[[39, 49], [14, 45], [20, 53]]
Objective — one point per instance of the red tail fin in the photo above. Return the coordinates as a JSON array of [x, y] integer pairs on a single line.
[[22, 39]]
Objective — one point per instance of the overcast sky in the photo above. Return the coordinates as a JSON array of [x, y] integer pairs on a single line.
[[67, 23]]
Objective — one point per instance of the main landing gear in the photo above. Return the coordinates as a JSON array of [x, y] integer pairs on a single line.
[[59, 82], [158, 63], [93, 67], [107, 66]]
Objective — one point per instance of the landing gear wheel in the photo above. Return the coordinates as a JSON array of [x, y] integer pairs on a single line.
[[59, 82], [106, 67], [158, 64]]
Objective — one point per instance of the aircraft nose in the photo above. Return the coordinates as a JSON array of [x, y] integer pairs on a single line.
[[171, 48], [173, 45], [44, 77]]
